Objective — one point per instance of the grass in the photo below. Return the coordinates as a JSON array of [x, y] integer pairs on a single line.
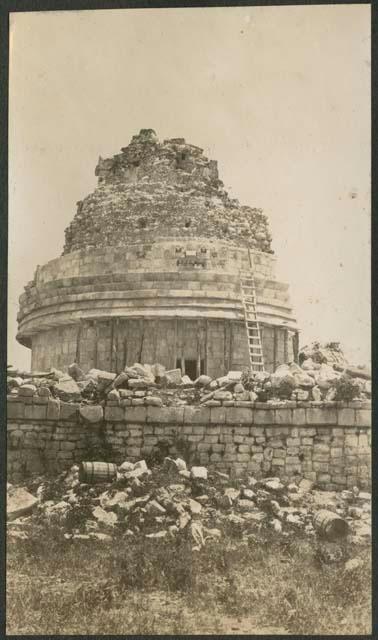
[[145, 586]]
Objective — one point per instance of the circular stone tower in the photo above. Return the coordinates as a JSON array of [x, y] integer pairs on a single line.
[[150, 272]]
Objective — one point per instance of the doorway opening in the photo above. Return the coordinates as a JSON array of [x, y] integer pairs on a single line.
[[190, 367]]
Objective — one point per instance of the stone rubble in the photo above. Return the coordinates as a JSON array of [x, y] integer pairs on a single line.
[[203, 505], [153, 385]]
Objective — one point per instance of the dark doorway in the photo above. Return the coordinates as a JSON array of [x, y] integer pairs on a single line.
[[191, 367]]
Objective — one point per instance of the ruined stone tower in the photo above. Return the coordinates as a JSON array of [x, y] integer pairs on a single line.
[[150, 272]]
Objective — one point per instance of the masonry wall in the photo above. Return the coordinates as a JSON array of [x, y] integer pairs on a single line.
[[327, 444], [216, 346]]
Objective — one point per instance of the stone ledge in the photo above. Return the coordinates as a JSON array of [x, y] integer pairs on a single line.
[[166, 415], [344, 416]]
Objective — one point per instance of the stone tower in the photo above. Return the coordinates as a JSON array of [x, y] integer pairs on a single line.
[[150, 272]]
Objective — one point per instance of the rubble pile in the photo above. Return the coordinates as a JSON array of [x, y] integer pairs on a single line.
[[170, 500], [168, 187], [153, 385]]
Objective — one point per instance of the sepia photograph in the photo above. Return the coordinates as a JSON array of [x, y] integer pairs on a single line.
[[189, 321]]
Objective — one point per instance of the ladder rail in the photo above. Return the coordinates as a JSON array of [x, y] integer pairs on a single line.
[[252, 325]]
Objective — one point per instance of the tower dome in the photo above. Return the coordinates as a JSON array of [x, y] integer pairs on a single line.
[[150, 271]]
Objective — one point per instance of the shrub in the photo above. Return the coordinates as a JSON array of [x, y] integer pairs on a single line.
[[346, 388]]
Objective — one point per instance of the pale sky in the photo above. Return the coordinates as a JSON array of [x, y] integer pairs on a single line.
[[280, 96]]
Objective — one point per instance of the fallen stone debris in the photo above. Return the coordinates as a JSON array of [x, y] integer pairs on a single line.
[[170, 500], [322, 377]]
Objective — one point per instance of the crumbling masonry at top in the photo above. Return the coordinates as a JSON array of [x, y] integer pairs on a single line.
[[169, 188], [151, 270]]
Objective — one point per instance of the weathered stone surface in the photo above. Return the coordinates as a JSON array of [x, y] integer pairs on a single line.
[[91, 413], [19, 503], [67, 389], [198, 473]]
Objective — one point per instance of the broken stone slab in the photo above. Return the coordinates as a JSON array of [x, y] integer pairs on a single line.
[[138, 383], [196, 532], [248, 494], [14, 383], [186, 381], [125, 393], [43, 391], [75, 372], [158, 534], [126, 466], [234, 376], [109, 501], [195, 507], [19, 502], [91, 412], [174, 376], [121, 379], [353, 565], [153, 508], [232, 493], [113, 395], [103, 378], [245, 505], [154, 401], [273, 484], [198, 473], [202, 381], [222, 395], [142, 465], [27, 390], [67, 389], [109, 518]]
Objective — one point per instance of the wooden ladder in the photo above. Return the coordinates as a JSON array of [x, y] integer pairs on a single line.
[[248, 289]]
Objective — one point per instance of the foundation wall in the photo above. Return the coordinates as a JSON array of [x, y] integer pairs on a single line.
[[327, 444]]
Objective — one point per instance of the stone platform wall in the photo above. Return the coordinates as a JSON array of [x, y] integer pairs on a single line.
[[327, 444]]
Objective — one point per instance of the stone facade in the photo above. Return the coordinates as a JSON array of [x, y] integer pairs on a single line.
[[327, 444], [151, 272]]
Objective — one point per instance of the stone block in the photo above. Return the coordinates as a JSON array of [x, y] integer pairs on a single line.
[[40, 400], [213, 439], [257, 431], [92, 413], [363, 417], [15, 410], [320, 466], [67, 446], [239, 415], [277, 430], [307, 432], [174, 415], [244, 457], [319, 415], [136, 414], [196, 415], [346, 417], [293, 442], [203, 446], [351, 441], [336, 452], [69, 411], [218, 415], [283, 416], [323, 477], [263, 416], [39, 412], [299, 416], [114, 414], [243, 448]]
